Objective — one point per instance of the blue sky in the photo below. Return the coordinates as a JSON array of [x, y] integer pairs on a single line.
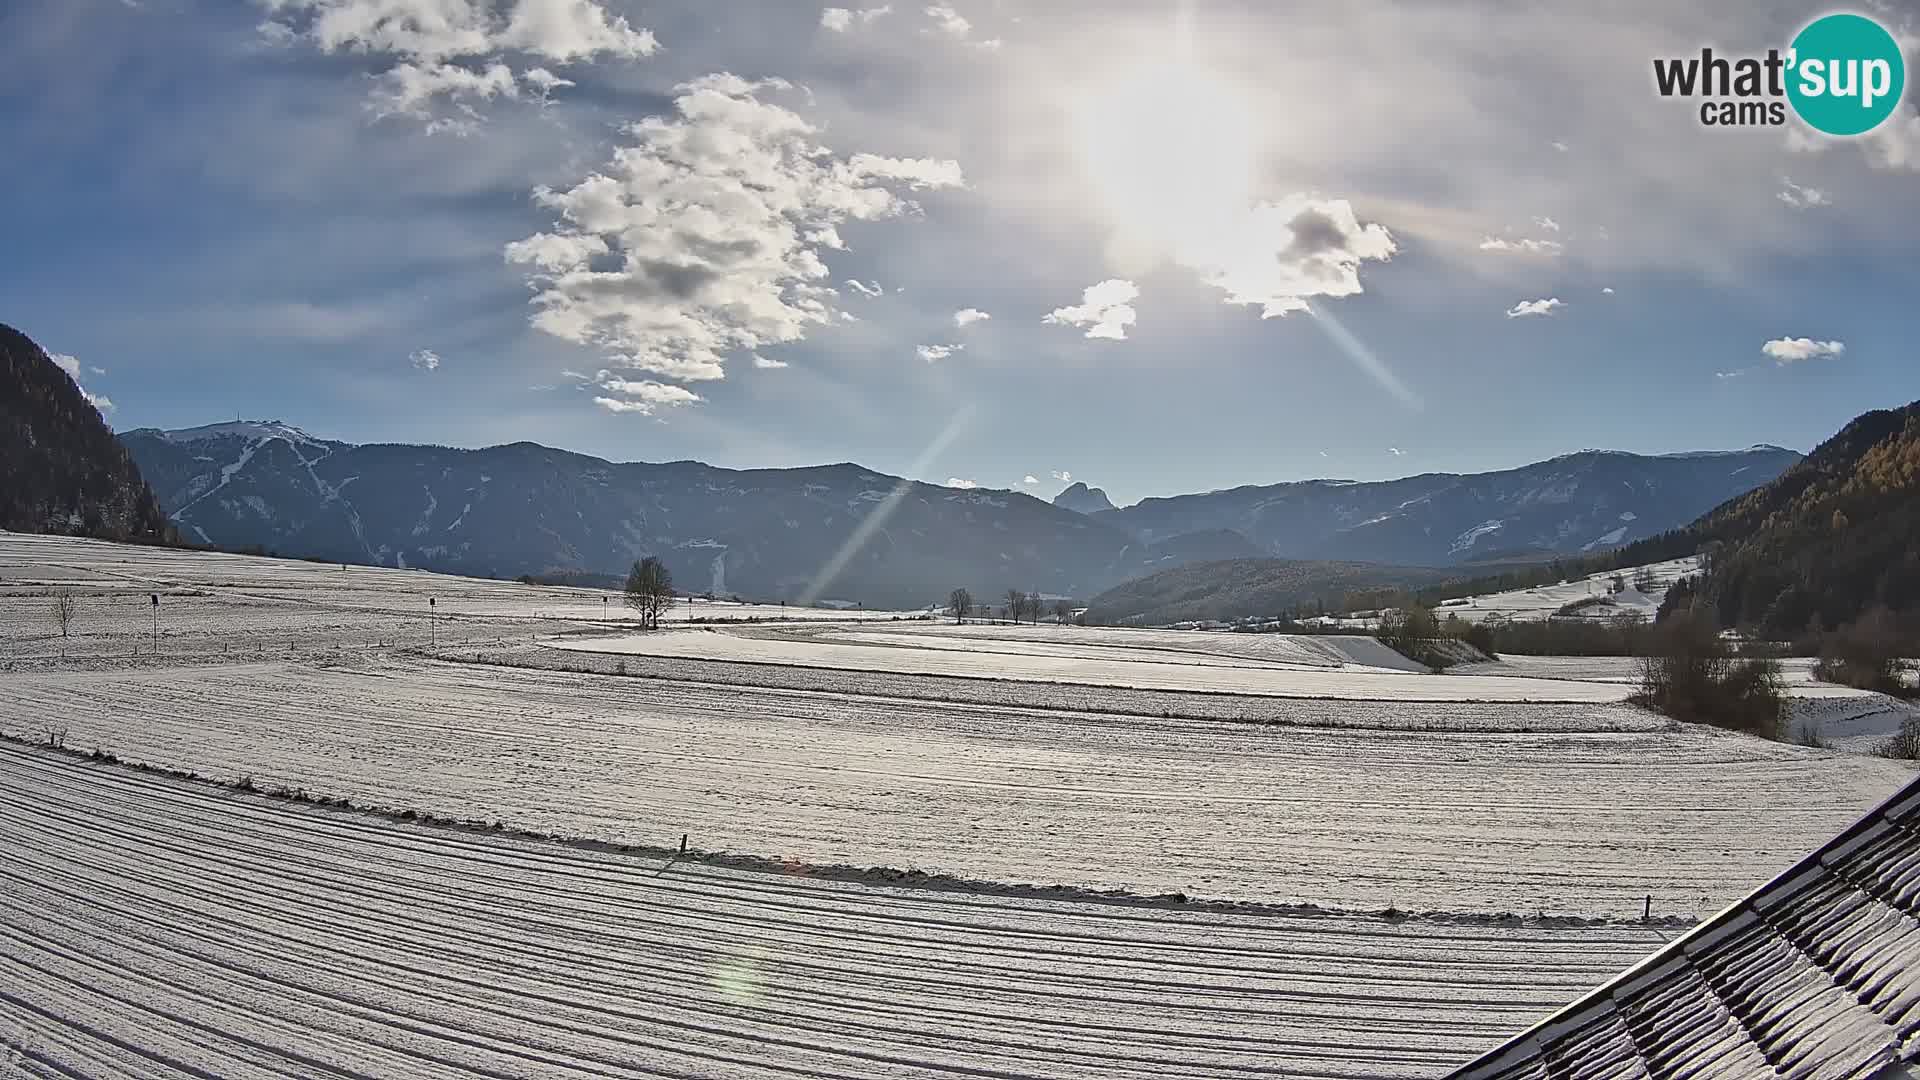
[[380, 220]]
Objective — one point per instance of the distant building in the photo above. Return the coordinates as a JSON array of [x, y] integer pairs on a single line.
[[1816, 975]]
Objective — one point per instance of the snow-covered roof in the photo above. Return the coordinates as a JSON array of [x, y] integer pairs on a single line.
[[1816, 974]]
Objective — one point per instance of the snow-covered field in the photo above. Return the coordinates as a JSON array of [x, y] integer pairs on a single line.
[[210, 603], [339, 945], [1458, 818], [1541, 602], [152, 926], [1305, 667]]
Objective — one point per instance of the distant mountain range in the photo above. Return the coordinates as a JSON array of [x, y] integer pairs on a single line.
[[844, 532], [60, 469], [1582, 502]]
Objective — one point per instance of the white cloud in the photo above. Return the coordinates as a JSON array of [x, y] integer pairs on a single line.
[[1396, 451], [641, 396], [932, 353], [1282, 254], [865, 289], [1029, 479], [1791, 350], [766, 363], [963, 485], [1728, 374], [967, 316], [1105, 310], [1547, 224], [948, 21], [718, 218], [1534, 307], [457, 50], [71, 365], [840, 20], [1607, 290], [1558, 145], [1061, 475], [424, 359], [1527, 246], [1801, 198]]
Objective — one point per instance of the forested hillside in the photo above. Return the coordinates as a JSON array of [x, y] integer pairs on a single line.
[[1831, 538], [61, 469]]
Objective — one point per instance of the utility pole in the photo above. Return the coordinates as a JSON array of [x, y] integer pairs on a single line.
[[433, 634], [155, 599]]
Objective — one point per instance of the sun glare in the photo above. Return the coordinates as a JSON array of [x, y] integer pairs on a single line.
[[1170, 153]]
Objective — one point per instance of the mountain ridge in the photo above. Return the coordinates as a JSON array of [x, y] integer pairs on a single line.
[[805, 533]]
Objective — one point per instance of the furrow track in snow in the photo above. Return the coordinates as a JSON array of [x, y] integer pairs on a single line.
[[153, 927]]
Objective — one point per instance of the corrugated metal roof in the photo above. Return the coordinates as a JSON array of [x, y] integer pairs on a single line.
[[1816, 975]]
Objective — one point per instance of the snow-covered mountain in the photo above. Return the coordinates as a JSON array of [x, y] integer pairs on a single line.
[[844, 532], [827, 532], [1579, 502]]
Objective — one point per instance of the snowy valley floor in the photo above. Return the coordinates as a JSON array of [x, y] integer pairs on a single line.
[[155, 926]]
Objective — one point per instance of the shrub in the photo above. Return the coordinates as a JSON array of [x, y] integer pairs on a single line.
[[1904, 744], [1689, 674], [1866, 654]]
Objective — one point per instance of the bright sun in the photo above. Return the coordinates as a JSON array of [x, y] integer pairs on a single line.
[[1170, 149]]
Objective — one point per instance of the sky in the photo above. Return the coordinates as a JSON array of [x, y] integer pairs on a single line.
[[1156, 246]]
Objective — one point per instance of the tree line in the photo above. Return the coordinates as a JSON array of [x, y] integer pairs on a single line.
[[1018, 606]]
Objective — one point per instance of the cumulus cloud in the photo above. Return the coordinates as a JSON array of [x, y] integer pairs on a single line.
[[932, 353], [458, 51], [641, 396], [1792, 350], [1284, 253], [1105, 310], [967, 316], [68, 364], [1524, 246], [963, 485], [716, 220], [1029, 479], [1396, 451], [1801, 198], [424, 359], [1534, 307], [865, 289], [1547, 224], [840, 20], [766, 363], [1606, 290], [1061, 475]]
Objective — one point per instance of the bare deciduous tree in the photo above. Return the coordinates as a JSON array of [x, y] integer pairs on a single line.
[[1062, 611], [63, 611], [649, 591], [959, 602], [1035, 607], [1016, 604]]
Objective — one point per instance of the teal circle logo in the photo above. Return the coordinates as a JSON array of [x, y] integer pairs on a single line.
[[1845, 74]]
